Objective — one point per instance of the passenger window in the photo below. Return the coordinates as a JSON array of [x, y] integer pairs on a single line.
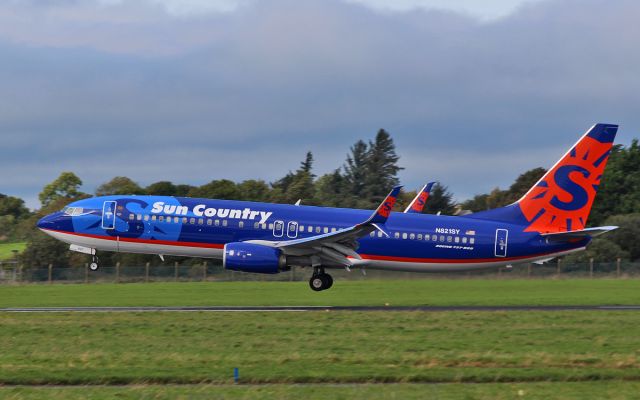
[[139, 217], [217, 223], [131, 217], [146, 217], [241, 224], [255, 225], [404, 235], [434, 238], [200, 221], [426, 237], [441, 238], [419, 236], [153, 217], [192, 221], [412, 236], [224, 222], [464, 240], [161, 218], [449, 239], [310, 229], [379, 234], [184, 220], [372, 234], [326, 229], [396, 235], [301, 228], [271, 226], [457, 239], [472, 240], [292, 227], [209, 222], [318, 229], [264, 226]]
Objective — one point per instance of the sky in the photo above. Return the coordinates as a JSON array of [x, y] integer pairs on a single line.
[[473, 93]]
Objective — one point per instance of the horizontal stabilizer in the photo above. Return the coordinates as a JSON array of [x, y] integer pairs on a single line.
[[581, 234]]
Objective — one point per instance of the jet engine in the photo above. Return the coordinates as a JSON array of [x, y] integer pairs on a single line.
[[255, 258]]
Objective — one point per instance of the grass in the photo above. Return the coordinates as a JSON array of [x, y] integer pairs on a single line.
[[5, 250], [398, 293], [318, 347], [496, 391]]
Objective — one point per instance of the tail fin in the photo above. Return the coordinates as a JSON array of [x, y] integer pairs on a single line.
[[562, 199], [417, 204]]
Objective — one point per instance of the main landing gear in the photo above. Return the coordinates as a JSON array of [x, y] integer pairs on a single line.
[[320, 280], [95, 263]]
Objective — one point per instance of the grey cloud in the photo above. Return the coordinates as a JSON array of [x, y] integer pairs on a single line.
[[128, 90]]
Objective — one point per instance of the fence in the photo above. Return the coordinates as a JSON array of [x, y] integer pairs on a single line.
[[11, 273]]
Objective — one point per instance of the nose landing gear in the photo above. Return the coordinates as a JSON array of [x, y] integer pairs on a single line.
[[94, 263], [320, 280]]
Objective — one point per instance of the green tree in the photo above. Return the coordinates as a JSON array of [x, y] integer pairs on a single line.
[[331, 190], [162, 188], [382, 167], [254, 190], [222, 189], [602, 249], [296, 185], [67, 186], [627, 234], [120, 185], [356, 170], [440, 200]]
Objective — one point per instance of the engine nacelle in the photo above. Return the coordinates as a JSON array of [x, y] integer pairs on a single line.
[[256, 258]]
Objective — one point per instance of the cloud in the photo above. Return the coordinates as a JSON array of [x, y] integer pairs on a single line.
[[131, 88]]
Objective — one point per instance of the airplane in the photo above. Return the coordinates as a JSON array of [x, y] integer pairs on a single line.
[[418, 202], [547, 222]]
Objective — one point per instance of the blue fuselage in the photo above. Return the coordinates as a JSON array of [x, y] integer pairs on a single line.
[[201, 227]]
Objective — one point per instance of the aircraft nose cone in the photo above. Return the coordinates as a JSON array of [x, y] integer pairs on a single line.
[[46, 222]]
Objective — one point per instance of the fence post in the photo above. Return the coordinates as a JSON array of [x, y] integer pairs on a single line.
[[175, 266], [558, 270], [86, 273], [618, 267], [591, 268], [204, 271], [529, 270], [118, 272], [146, 272], [20, 274], [293, 274], [500, 272], [50, 272]]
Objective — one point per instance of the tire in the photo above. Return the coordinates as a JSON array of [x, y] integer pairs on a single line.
[[93, 266], [329, 280], [317, 283]]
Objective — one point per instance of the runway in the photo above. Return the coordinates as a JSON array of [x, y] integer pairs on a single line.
[[522, 308]]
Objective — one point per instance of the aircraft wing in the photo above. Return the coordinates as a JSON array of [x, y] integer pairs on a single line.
[[417, 204], [580, 234], [339, 245]]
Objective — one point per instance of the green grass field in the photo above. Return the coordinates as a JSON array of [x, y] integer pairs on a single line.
[[328, 354], [5, 250], [392, 292]]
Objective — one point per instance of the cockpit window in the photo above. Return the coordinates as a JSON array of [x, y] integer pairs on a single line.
[[73, 210]]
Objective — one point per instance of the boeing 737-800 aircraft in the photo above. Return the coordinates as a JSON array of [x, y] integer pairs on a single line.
[[548, 221]]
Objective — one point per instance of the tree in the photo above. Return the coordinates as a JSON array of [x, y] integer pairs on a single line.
[[440, 200], [12, 206], [222, 189], [295, 186], [381, 167], [331, 190], [254, 190], [119, 185], [162, 188], [65, 186], [601, 250], [627, 234], [355, 169]]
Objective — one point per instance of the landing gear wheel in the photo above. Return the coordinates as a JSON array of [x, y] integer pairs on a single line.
[[320, 281], [94, 264], [317, 283]]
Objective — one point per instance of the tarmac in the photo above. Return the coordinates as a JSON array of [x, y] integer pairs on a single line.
[[519, 308]]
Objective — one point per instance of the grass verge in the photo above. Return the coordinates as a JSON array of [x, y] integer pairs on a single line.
[[397, 293], [318, 347]]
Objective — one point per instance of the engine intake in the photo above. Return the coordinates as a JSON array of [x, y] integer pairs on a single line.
[[255, 258]]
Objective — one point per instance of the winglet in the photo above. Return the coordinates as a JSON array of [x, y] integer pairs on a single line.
[[417, 204], [384, 209]]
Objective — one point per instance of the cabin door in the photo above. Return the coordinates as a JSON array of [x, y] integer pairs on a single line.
[[109, 215], [502, 235]]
